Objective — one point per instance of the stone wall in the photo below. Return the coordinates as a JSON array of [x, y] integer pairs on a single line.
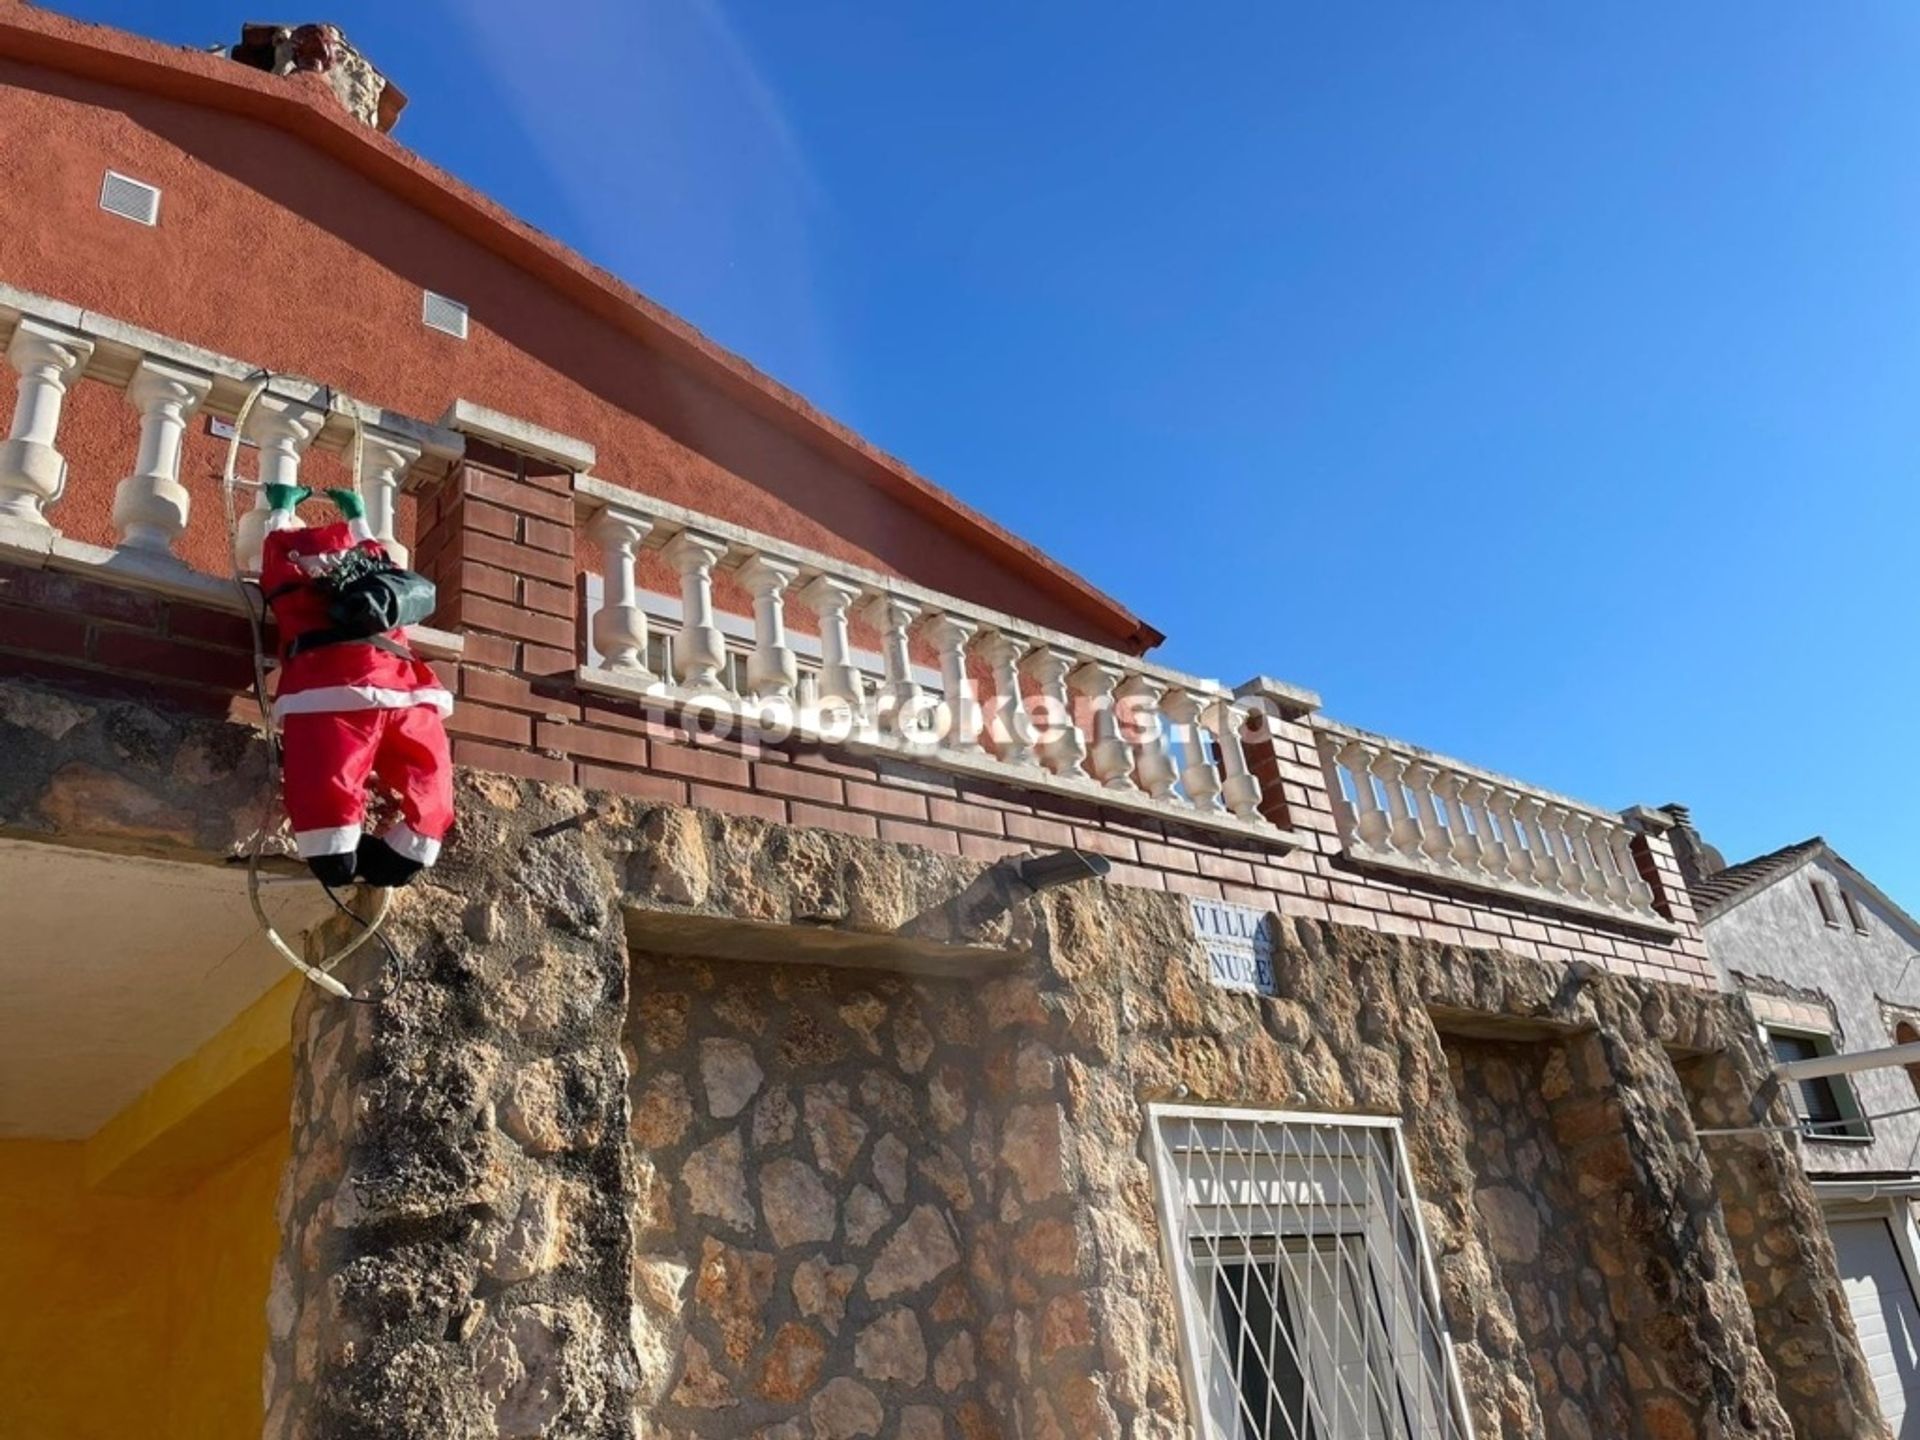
[[816, 1171], [1531, 1201], [467, 1180]]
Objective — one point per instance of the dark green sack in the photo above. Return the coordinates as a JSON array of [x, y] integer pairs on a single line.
[[372, 596]]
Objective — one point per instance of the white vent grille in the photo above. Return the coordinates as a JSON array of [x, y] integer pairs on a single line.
[[134, 199], [449, 317]]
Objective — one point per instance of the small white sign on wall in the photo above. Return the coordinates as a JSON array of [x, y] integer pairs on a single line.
[[1239, 944]]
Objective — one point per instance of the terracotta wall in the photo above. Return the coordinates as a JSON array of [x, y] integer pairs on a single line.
[[269, 251]]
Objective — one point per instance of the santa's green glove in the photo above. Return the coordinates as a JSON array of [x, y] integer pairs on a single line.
[[348, 503], [286, 497]]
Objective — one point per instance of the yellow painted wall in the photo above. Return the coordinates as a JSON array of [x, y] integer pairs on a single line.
[[125, 1315]]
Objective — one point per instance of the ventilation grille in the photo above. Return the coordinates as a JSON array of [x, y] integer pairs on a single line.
[[133, 199], [449, 317]]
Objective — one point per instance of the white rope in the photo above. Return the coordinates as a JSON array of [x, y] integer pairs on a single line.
[[319, 974]]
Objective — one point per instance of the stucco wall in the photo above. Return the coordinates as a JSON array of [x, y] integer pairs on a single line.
[[1775, 938], [272, 252]]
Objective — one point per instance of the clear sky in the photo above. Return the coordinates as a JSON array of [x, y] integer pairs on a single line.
[[1540, 382]]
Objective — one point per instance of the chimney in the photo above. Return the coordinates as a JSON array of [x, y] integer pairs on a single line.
[[1697, 858], [323, 50]]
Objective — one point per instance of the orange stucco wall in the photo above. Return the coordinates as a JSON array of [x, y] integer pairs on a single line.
[[271, 251]]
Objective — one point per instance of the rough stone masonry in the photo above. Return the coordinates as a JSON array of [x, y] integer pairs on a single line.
[[600, 1166], [678, 1125]]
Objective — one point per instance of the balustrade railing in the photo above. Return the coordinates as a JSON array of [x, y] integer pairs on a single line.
[[1405, 809], [1056, 713], [52, 346]]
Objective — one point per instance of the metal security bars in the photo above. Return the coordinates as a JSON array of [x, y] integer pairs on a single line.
[[1304, 1286]]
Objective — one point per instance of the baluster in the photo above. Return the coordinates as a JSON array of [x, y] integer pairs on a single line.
[[385, 460], [1239, 790], [1370, 823], [840, 679], [1011, 727], [949, 634], [282, 429], [1579, 831], [33, 472], [899, 695], [1545, 826], [1198, 779], [1434, 841], [620, 626], [1450, 790], [700, 650], [1619, 892], [1514, 857], [1541, 867], [1640, 893], [151, 506], [772, 672], [1154, 769], [1063, 749], [1109, 758], [1403, 834]]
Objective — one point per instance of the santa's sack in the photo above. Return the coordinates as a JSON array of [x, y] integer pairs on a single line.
[[371, 596]]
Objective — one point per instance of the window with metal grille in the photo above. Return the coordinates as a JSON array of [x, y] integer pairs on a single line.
[[129, 198], [1304, 1287], [1829, 1109], [449, 317]]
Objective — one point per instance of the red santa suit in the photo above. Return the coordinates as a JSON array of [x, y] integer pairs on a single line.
[[351, 709]]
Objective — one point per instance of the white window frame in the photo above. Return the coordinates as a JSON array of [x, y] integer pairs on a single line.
[[1405, 1300]]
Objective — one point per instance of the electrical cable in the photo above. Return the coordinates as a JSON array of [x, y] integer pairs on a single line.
[[320, 974]]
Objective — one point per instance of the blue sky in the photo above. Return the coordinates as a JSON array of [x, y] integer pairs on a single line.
[[1538, 382]]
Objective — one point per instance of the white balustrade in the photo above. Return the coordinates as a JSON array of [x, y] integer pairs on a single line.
[[1063, 748], [773, 672], [150, 506], [1011, 728], [385, 460], [1404, 809], [620, 625], [1154, 771], [33, 472], [1064, 715], [1109, 757], [840, 679], [701, 649], [960, 709], [282, 428], [897, 700]]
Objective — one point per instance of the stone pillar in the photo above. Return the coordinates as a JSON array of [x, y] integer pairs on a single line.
[[151, 506], [1010, 728], [1686, 1331], [32, 470], [899, 696], [1779, 1240], [1110, 757], [949, 635], [456, 1211]]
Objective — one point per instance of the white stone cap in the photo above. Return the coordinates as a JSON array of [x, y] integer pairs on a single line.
[[521, 436]]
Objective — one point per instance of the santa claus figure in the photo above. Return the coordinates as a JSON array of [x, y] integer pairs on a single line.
[[353, 703]]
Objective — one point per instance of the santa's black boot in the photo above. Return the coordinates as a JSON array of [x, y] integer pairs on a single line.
[[333, 871], [379, 864]]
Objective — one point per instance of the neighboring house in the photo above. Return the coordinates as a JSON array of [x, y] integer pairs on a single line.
[[1831, 965]]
